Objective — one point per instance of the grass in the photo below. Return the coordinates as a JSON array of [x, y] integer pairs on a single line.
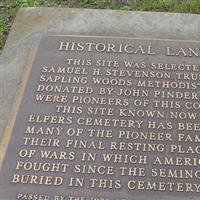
[[8, 8]]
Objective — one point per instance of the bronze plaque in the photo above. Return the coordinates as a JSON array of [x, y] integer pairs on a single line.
[[107, 119]]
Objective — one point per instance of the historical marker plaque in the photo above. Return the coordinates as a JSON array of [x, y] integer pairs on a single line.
[[106, 119]]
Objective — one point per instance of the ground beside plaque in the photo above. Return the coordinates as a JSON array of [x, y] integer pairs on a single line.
[[107, 118]]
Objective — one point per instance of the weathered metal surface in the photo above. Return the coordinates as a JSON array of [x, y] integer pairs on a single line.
[[91, 99]]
